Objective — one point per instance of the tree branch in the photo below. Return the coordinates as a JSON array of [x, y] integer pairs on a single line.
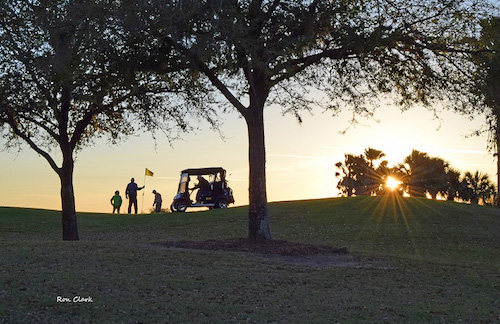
[[211, 75], [12, 123], [53, 134], [28, 61], [294, 66]]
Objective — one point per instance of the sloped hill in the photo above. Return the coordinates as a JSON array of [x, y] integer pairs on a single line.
[[387, 225], [411, 261], [392, 225]]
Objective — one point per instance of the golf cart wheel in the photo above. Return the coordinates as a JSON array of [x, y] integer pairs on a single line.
[[222, 203], [181, 206], [172, 207]]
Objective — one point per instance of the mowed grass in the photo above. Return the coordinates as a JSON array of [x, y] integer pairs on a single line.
[[415, 261]]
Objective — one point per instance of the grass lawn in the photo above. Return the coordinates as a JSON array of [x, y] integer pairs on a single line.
[[411, 261]]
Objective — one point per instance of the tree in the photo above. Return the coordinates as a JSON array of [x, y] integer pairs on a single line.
[[372, 155], [424, 174], [476, 186], [63, 84], [258, 53], [488, 81], [375, 175], [414, 169], [359, 175], [437, 177], [353, 177], [346, 178], [453, 183]]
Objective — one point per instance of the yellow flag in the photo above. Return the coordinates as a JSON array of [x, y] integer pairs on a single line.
[[149, 172]]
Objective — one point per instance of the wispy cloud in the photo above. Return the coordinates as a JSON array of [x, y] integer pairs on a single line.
[[340, 148], [296, 156], [36, 195], [168, 178], [473, 164], [466, 151]]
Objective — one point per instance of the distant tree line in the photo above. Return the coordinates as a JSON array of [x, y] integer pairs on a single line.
[[418, 175]]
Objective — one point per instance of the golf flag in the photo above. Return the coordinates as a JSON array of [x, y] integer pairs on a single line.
[[149, 172]]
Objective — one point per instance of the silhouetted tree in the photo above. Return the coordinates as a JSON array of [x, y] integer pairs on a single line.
[[423, 174], [414, 170], [476, 186], [352, 179], [436, 177], [359, 175], [258, 53], [372, 155], [383, 173], [453, 183], [488, 81], [375, 175], [63, 84]]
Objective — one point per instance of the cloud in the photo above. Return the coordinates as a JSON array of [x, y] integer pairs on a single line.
[[466, 151], [296, 156], [167, 178], [340, 148]]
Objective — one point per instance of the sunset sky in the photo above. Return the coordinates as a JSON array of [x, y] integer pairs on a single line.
[[300, 157]]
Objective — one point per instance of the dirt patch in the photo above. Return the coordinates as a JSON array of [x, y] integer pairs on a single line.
[[272, 247], [318, 256]]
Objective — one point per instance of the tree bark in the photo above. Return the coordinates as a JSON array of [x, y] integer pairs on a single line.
[[258, 225], [69, 222], [497, 139]]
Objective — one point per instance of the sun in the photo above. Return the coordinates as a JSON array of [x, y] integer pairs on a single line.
[[392, 183]]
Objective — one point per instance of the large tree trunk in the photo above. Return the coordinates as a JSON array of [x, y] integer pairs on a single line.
[[69, 222], [258, 225], [497, 139]]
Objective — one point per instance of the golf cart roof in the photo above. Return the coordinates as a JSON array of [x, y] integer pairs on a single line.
[[202, 171]]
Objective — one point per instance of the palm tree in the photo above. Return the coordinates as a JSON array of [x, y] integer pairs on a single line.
[[436, 177], [352, 176], [375, 176], [423, 174], [358, 174], [477, 186], [346, 179], [373, 155], [415, 168], [453, 183]]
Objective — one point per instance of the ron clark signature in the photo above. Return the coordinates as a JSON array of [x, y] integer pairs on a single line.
[[76, 299]]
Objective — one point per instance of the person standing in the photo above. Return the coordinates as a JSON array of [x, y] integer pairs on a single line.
[[157, 201], [116, 202], [131, 194]]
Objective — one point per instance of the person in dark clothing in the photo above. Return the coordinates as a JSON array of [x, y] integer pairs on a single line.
[[204, 188], [131, 194], [157, 201]]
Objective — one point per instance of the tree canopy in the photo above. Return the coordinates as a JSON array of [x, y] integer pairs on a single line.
[[487, 85], [297, 54], [64, 82]]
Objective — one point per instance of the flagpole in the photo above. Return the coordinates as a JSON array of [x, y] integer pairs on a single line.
[[147, 172], [144, 184]]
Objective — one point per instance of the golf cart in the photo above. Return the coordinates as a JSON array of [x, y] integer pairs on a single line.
[[216, 193]]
